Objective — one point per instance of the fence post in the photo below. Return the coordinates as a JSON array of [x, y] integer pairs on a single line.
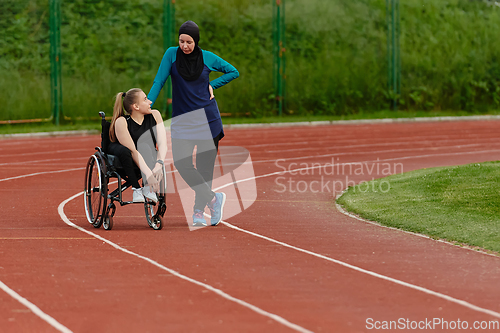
[[168, 40], [55, 60], [279, 49], [393, 51]]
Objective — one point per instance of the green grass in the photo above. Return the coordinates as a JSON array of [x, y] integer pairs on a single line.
[[459, 204], [83, 96], [336, 59]]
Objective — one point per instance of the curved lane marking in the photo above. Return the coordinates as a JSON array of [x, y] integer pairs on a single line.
[[465, 247], [45, 317], [359, 269], [365, 271], [219, 292]]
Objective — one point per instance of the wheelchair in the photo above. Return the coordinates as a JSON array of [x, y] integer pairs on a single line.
[[101, 168]]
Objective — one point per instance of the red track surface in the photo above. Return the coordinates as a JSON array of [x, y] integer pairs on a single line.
[[87, 285]]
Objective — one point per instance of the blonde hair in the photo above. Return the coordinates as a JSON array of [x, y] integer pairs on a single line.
[[123, 103]]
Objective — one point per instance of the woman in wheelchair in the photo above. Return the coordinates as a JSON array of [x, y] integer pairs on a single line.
[[134, 138]]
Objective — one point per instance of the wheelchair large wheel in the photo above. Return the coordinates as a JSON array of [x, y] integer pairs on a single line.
[[96, 190]]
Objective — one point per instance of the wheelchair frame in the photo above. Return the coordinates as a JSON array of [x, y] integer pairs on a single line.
[[102, 167]]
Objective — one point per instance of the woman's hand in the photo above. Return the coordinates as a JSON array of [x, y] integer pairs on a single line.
[[158, 171], [157, 174], [153, 180], [211, 90]]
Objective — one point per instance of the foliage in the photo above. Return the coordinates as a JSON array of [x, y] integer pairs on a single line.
[[336, 54]]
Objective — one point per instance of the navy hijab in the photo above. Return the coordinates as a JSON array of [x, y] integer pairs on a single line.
[[190, 66]]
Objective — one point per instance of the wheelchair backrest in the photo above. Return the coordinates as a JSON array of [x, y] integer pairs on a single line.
[[105, 140]]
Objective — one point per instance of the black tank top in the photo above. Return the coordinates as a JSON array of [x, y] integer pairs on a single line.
[[137, 130]]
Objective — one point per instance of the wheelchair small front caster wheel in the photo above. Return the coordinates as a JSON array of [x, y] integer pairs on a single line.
[[157, 223], [107, 224]]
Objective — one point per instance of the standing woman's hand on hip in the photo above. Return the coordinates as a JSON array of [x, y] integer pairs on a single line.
[[211, 90]]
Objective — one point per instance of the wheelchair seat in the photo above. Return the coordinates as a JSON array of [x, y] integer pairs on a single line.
[[114, 161]]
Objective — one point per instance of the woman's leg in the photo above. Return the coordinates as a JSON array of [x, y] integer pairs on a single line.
[[205, 162], [206, 154], [182, 152], [128, 164]]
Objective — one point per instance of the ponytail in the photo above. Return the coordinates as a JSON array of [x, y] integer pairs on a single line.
[[123, 104], [118, 112]]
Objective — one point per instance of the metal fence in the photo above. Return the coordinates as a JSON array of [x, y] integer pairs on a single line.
[[48, 14]]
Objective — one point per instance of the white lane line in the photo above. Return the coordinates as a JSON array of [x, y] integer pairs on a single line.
[[35, 309], [358, 153], [375, 152], [258, 310], [340, 139], [365, 271], [44, 152], [343, 211], [41, 161], [40, 173], [319, 166], [401, 150], [297, 158], [302, 250], [219, 292], [339, 153], [359, 269], [486, 142]]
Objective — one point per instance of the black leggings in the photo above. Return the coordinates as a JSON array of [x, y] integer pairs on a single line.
[[199, 178], [130, 169]]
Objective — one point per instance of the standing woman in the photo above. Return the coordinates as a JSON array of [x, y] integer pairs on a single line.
[[190, 66]]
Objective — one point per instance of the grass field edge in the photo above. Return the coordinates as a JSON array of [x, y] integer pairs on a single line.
[[465, 246]]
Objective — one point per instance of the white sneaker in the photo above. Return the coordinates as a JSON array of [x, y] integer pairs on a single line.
[[148, 194], [137, 196]]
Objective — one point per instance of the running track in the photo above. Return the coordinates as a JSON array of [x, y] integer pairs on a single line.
[[291, 262]]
